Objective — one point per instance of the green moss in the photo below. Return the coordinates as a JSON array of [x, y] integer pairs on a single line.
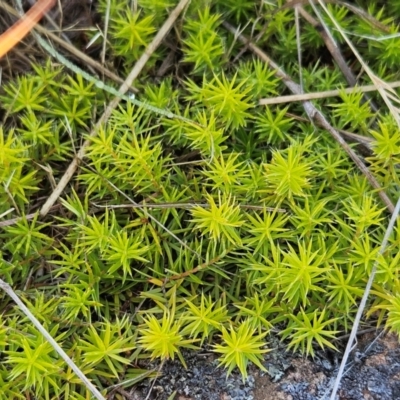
[[218, 227]]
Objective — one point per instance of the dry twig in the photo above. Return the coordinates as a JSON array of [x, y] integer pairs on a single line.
[[322, 95]]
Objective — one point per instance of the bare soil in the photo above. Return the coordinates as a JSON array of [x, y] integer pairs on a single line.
[[373, 373]]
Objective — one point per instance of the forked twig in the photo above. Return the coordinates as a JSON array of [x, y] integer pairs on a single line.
[[315, 115]]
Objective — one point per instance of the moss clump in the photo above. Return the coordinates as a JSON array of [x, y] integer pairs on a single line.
[[219, 227]]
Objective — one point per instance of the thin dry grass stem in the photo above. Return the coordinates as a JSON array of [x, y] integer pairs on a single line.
[[53, 23], [366, 16], [132, 381], [13, 221], [11, 198], [359, 333], [294, 3], [106, 21], [7, 288], [72, 49], [196, 269], [10, 210], [322, 95], [298, 45], [124, 393], [363, 302], [315, 115], [353, 137], [185, 206], [154, 380], [113, 104], [148, 215]]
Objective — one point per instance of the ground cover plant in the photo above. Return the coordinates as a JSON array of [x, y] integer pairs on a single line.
[[195, 215]]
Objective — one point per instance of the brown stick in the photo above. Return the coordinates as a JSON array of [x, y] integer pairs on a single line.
[[322, 95], [314, 114]]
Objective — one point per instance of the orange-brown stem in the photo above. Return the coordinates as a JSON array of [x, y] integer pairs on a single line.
[[21, 28]]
